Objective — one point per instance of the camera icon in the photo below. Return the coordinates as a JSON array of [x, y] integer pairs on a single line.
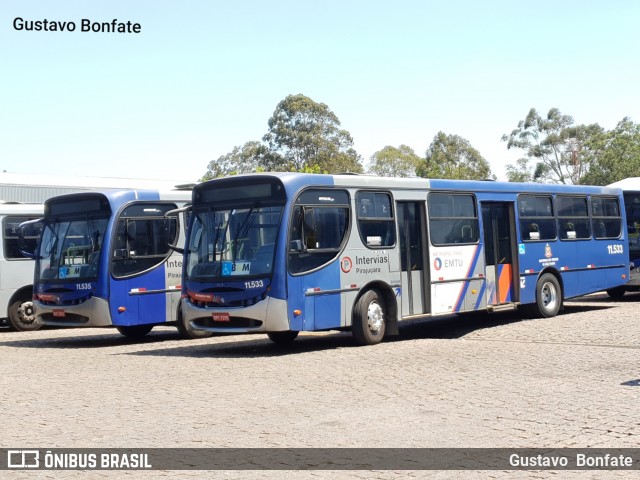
[[23, 458]]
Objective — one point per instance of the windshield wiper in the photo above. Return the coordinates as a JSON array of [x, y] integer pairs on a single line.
[[219, 231], [241, 231]]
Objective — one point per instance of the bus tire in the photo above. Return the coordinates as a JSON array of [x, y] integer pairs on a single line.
[[548, 297], [185, 331], [135, 331], [22, 316], [368, 323], [282, 338], [617, 292]]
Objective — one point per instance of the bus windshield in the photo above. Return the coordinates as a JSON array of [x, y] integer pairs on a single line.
[[235, 242], [70, 248]]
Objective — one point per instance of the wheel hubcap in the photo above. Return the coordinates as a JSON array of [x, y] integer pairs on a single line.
[[375, 317], [549, 296], [26, 312]]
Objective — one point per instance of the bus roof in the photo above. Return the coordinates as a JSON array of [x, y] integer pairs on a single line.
[[297, 180], [34, 188], [11, 208], [120, 197], [631, 183]]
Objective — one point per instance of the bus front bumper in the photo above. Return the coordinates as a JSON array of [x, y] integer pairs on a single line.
[[270, 315], [92, 313]]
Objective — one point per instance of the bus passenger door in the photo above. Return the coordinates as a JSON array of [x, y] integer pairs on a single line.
[[414, 277], [143, 271], [501, 269]]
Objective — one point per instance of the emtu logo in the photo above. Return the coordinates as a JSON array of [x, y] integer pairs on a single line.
[[23, 458], [437, 263]]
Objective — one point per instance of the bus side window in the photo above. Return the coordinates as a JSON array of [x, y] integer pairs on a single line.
[[11, 237], [143, 236], [453, 218], [376, 223], [605, 217], [318, 230], [537, 220]]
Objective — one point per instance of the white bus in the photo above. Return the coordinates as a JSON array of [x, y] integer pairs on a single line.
[[22, 198], [631, 192], [16, 270]]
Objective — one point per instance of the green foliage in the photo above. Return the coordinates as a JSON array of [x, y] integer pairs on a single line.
[[615, 154], [558, 148], [394, 162], [453, 157], [251, 157], [303, 136], [520, 172], [303, 133]]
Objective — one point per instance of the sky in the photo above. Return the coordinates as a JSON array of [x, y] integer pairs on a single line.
[[204, 76]]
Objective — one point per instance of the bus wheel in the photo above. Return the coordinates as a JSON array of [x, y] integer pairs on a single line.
[[368, 319], [135, 331], [185, 331], [282, 337], [548, 296], [617, 292], [22, 316]]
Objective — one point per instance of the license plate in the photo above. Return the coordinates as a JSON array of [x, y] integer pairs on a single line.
[[221, 317], [59, 313]]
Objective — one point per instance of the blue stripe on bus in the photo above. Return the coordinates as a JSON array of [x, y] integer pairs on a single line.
[[480, 295], [465, 287]]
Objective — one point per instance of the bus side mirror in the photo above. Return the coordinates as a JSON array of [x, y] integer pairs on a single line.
[[176, 249], [120, 254], [295, 246], [28, 254]]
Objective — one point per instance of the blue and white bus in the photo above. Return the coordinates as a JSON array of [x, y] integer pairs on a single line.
[[105, 259], [283, 253], [22, 198], [631, 191]]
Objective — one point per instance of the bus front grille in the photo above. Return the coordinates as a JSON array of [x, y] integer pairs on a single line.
[[65, 303], [222, 302], [234, 322], [68, 318]]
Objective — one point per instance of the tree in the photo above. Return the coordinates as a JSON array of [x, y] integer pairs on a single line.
[[520, 172], [304, 134], [451, 156], [394, 162], [250, 157], [614, 154], [557, 147]]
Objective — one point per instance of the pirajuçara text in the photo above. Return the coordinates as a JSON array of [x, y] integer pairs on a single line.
[[85, 25]]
